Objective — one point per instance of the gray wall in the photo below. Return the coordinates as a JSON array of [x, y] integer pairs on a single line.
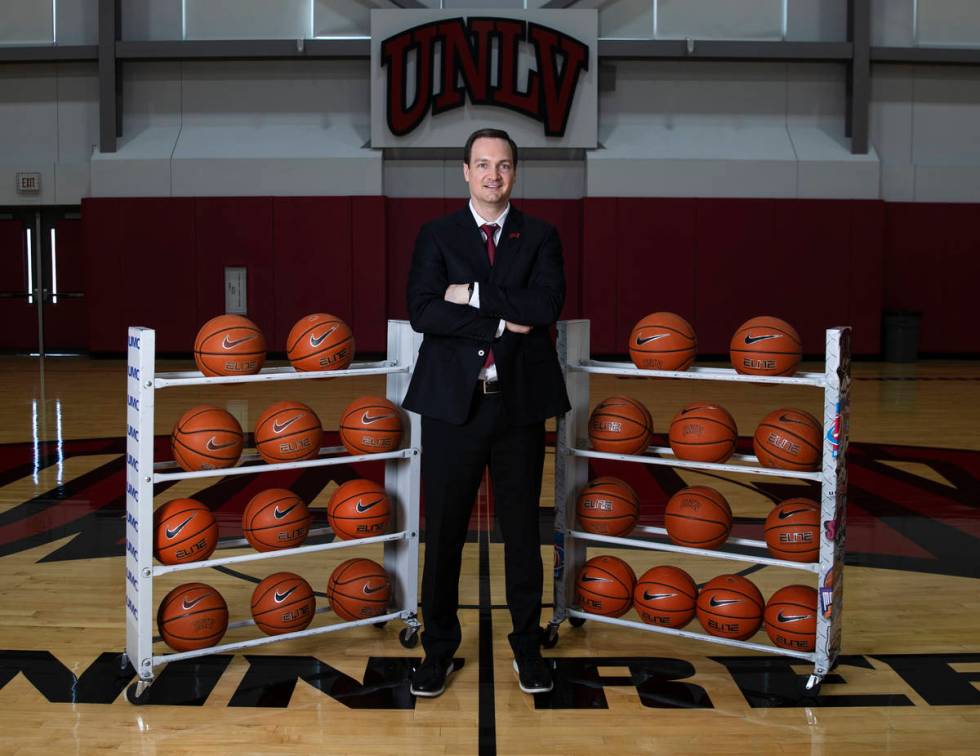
[[666, 128]]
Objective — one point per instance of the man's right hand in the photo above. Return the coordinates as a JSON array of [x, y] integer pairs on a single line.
[[516, 327]]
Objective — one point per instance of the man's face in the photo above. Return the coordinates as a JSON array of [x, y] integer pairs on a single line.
[[491, 172]]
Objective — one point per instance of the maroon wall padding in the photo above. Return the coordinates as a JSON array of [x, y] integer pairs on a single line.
[[18, 317], [600, 287], [370, 280], [312, 262], [102, 233], [403, 218], [66, 321], [932, 265]]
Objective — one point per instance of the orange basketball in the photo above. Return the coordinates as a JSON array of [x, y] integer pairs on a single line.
[[608, 506], [358, 589], [765, 346], [192, 616], [283, 603], [371, 424], [620, 425], [793, 530], [206, 438], [791, 618], [358, 509], [288, 432], [663, 341], [184, 530], [665, 596], [789, 439], [703, 432], [730, 606], [698, 517], [320, 342], [605, 586], [276, 519], [229, 345]]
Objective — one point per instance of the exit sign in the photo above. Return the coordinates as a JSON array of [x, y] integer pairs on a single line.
[[28, 183]]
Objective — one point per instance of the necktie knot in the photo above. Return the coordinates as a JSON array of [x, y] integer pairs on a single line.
[[490, 229]]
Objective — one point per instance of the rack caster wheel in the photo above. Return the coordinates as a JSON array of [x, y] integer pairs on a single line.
[[576, 621], [549, 637], [812, 687], [381, 625], [409, 637], [138, 693]]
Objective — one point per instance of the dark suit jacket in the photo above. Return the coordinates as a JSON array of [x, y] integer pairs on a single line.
[[526, 285]]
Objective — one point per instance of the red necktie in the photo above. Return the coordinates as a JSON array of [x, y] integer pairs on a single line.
[[489, 229]]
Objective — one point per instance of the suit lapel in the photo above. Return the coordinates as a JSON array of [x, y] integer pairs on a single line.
[[511, 238], [471, 241]]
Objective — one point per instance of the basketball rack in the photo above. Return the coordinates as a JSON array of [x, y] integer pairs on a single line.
[[571, 473], [143, 472]]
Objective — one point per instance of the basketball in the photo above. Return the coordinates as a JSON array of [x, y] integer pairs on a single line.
[[184, 530], [206, 438], [793, 530], [698, 517], [791, 618], [358, 509], [605, 586], [229, 345], [665, 596], [359, 589], [283, 603], [608, 506], [663, 341], [789, 439], [765, 346], [369, 425], [703, 432], [620, 425], [730, 606], [288, 432], [320, 342], [276, 519], [192, 616]]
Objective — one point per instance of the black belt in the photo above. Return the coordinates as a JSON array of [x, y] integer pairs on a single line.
[[488, 387]]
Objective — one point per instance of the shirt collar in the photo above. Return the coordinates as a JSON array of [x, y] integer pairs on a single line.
[[480, 221]]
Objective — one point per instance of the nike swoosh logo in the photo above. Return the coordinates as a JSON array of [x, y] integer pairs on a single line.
[[754, 339], [213, 446], [656, 596], [175, 531], [279, 515], [375, 589], [690, 409], [280, 597], [648, 339], [785, 419], [783, 515], [195, 602], [722, 602], [277, 428], [317, 340], [792, 617], [368, 419], [365, 507], [228, 344], [592, 579]]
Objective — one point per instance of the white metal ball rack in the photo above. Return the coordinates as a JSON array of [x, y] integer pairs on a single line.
[[402, 476], [571, 473]]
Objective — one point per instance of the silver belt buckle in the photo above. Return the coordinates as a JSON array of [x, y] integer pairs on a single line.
[[493, 386]]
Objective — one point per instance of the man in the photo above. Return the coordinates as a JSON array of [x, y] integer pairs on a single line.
[[486, 284]]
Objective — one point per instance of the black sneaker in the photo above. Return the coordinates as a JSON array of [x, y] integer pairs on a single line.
[[429, 679], [534, 674]]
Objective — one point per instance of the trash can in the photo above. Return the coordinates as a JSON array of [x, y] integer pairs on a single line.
[[902, 336]]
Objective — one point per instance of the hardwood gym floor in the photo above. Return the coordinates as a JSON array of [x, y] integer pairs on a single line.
[[907, 681]]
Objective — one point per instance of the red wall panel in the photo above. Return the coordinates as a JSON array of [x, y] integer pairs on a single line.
[[19, 318], [369, 286], [236, 232], [866, 288], [403, 218], [103, 279], [312, 261], [600, 284]]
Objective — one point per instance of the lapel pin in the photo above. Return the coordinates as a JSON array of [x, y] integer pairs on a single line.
[[514, 235]]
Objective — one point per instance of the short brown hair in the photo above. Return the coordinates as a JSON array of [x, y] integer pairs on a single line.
[[489, 134]]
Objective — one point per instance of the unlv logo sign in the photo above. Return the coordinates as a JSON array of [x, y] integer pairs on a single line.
[[436, 77], [466, 47]]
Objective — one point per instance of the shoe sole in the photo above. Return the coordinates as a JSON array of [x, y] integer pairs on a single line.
[[434, 693], [530, 690]]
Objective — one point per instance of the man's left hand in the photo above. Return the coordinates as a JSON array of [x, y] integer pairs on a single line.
[[458, 294]]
